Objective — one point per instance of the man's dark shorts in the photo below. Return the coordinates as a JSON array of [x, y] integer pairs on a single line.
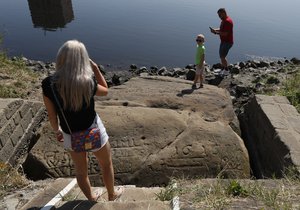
[[224, 49]]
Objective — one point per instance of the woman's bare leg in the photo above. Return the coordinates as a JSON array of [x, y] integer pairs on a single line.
[[104, 158], [80, 160]]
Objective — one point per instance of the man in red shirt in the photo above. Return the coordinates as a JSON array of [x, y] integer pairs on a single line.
[[226, 35]]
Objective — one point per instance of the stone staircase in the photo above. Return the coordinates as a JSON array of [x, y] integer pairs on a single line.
[[64, 194], [19, 122]]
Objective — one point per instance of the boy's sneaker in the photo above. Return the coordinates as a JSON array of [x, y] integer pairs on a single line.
[[224, 73], [194, 86], [217, 71]]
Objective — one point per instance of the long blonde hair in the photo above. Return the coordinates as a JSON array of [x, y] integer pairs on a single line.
[[74, 75]]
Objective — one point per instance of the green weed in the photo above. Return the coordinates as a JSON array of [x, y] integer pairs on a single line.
[[235, 189], [291, 89], [168, 193]]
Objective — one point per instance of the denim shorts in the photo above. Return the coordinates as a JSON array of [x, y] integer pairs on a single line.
[[104, 136], [224, 49]]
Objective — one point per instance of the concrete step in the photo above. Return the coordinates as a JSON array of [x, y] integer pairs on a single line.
[[64, 194], [86, 205], [43, 196], [132, 198]]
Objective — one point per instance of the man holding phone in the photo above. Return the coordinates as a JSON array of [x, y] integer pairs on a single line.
[[226, 35]]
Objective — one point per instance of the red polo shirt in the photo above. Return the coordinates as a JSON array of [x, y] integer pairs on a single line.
[[227, 26]]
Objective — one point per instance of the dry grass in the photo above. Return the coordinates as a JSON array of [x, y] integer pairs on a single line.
[[223, 194], [10, 180], [16, 80], [239, 193]]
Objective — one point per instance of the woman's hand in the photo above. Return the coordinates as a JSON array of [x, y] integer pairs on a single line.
[[59, 136], [94, 65], [102, 85]]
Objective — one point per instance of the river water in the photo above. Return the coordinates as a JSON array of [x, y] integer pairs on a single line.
[[149, 32]]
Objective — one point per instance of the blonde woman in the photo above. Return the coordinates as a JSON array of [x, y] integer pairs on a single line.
[[76, 80]]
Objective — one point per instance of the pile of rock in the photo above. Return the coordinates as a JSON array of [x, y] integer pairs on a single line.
[[246, 78]]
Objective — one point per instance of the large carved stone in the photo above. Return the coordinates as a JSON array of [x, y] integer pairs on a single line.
[[271, 128], [159, 127], [19, 122]]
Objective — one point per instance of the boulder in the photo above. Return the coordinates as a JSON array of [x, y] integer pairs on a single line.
[[160, 128]]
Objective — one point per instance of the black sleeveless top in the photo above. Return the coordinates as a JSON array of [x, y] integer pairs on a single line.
[[78, 120]]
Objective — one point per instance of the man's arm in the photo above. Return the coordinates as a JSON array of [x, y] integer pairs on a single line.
[[214, 30]]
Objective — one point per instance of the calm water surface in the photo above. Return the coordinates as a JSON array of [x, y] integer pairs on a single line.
[[148, 32]]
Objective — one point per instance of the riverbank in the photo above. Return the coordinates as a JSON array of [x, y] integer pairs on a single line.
[[246, 79]]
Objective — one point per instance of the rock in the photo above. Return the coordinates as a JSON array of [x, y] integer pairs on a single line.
[[217, 66], [272, 80], [277, 123], [179, 71], [295, 61], [162, 70], [190, 75], [263, 64], [279, 62], [133, 66], [17, 116], [158, 135], [242, 64], [190, 66], [235, 69], [257, 79], [118, 80], [207, 69], [115, 80], [141, 70], [154, 69], [102, 69], [253, 64], [213, 80], [241, 90]]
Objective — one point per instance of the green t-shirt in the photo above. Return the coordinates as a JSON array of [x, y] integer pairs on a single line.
[[199, 53]]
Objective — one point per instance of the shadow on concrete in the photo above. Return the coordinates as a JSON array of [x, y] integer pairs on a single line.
[[77, 204]]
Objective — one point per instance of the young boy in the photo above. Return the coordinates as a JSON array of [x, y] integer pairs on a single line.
[[199, 60]]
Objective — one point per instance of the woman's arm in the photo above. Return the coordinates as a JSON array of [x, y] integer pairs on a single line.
[[52, 115], [102, 88]]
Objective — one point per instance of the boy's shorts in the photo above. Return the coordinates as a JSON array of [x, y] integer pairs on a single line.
[[224, 49], [199, 69]]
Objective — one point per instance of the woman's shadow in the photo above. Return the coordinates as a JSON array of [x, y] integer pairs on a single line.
[[77, 204]]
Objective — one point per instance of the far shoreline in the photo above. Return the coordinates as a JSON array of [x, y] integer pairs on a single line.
[[126, 67]]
